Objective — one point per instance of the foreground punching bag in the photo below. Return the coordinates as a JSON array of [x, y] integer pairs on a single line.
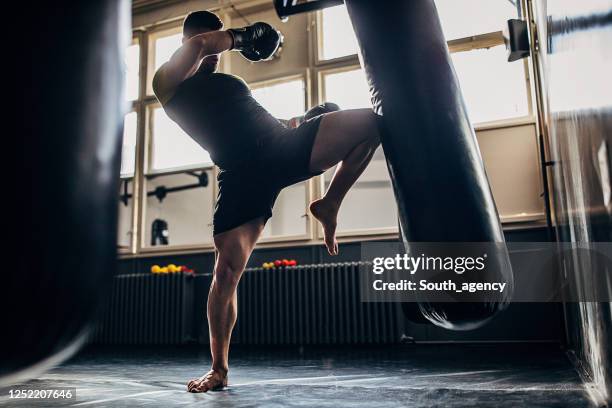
[[65, 95], [433, 158]]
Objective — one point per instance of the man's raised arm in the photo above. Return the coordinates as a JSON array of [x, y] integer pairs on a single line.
[[185, 61], [256, 42]]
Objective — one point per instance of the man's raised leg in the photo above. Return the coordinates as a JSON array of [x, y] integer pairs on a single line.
[[234, 248], [348, 138]]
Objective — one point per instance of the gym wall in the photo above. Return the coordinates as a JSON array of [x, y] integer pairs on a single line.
[[509, 150]]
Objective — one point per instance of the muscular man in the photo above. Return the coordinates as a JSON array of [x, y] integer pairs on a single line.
[[257, 156]]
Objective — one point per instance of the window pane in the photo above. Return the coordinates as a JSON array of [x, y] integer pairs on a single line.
[[182, 217], [128, 149], [132, 79], [289, 210], [162, 50], [470, 17], [165, 47], [348, 89], [172, 147], [492, 87], [338, 35], [370, 203], [124, 226], [283, 100]]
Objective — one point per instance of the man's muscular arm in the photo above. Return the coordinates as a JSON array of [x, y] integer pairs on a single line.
[[185, 61]]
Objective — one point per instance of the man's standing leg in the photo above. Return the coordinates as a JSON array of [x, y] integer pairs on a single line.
[[234, 248]]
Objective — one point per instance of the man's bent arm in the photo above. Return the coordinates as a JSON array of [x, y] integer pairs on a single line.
[[185, 61]]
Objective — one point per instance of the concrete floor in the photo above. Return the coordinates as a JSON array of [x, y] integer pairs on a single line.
[[409, 375]]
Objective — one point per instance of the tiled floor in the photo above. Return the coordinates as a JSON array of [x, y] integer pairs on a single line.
[[410, 375]]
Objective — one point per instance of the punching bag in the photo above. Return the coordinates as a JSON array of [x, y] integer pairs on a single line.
[[65, 91], [439, 180]]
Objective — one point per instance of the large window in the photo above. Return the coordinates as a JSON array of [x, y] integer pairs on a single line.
[[370, 203], [171, 147], [493, 88], [465, 18], [337, 34], [125, 209], [284, 99], [124, 213], [348, 89], [132, 76], [289, 215], [128, 147], [179, 209]]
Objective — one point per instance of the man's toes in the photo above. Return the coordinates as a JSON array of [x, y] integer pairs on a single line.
[[201, 388], [193, 385]]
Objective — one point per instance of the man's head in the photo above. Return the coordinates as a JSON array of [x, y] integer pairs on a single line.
[[200, 22]]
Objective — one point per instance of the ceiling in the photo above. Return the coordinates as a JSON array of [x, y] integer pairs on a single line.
[[139, 6]]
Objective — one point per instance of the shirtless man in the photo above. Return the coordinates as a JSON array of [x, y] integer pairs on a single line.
[[257, 156]]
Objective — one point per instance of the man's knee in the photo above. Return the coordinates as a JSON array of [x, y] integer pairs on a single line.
[[227, 274]]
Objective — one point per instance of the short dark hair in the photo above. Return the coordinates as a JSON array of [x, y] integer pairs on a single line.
[[199, 21]]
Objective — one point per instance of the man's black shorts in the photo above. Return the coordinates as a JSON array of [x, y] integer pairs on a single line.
[[249, 192]]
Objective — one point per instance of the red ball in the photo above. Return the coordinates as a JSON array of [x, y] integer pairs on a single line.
[[292, 262], [277, 263]]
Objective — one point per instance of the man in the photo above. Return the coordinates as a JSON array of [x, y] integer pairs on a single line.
[[257, 156]]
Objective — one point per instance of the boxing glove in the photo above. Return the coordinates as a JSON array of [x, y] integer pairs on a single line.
[[256, 42]]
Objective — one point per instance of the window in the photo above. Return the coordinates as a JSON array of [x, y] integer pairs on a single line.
[[493, 88], [284, 100], [289, 213], [132, 75], [181, 216], [128, 148], [124, 224], [165, 47], [338, 37], [370, 203], [171, 147], [161, 47], [466, 18], [349, 89]]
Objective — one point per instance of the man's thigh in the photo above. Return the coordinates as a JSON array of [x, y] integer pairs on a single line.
[[339, 133]]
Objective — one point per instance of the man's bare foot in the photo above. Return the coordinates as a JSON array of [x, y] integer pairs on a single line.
[[211, 381], [327, 215]]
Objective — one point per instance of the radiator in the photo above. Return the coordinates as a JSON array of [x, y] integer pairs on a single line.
[[148, 309], [311, 304]]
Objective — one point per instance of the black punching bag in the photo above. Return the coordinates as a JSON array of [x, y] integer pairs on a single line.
[[433, 158], [65, 96]]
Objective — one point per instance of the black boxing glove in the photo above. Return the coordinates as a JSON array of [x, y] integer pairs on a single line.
[[318, 110], [256, 42]]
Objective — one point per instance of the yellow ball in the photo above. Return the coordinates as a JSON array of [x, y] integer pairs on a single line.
[[163, 270], [172, 268], [155, 269]]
